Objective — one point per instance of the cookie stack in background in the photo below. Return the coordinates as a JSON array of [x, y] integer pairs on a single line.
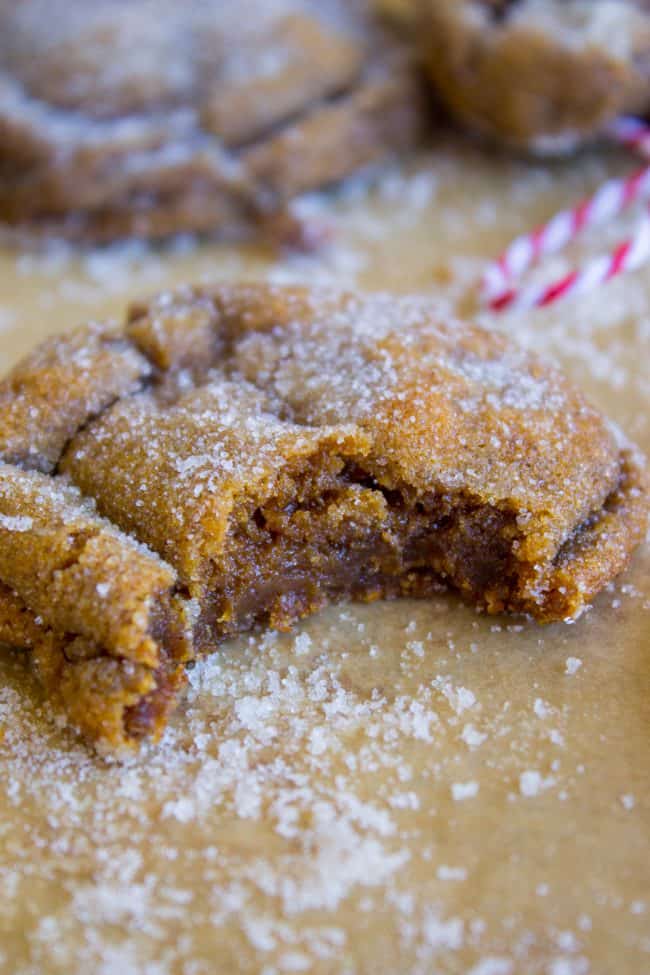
[[154, 118]]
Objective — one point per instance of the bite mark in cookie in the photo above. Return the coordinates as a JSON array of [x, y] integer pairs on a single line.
[[247, 454]]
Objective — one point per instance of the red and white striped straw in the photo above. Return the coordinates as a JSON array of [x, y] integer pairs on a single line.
[[612, 198]]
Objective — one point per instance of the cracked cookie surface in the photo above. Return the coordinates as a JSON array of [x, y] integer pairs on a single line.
[[154, 117], [246, 454], [540, 75]]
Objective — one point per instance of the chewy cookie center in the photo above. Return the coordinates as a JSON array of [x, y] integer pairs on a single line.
[[271, 528]]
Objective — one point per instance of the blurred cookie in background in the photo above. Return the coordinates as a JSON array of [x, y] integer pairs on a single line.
[[149, 118], [538, 75]]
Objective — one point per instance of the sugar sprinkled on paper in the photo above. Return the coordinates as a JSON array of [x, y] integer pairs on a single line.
[[472, 737], [573, 665], [532, 782], [492, 965], [451, 873], [464, 790]]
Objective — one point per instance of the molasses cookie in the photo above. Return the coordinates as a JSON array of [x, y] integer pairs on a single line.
[[148, 118], [540, 75], [247, 454]]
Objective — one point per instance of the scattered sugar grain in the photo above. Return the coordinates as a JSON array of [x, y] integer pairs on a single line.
[[464, 790], [492, 965], [540, 708], [573, 665], [567, 965], [532, 782], [472, 737], [460, 698], [302, 644], [566, 941], [442, 934], [451, 873], [416, 647]]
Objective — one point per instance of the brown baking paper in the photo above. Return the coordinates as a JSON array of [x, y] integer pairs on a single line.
[[393, 788]]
